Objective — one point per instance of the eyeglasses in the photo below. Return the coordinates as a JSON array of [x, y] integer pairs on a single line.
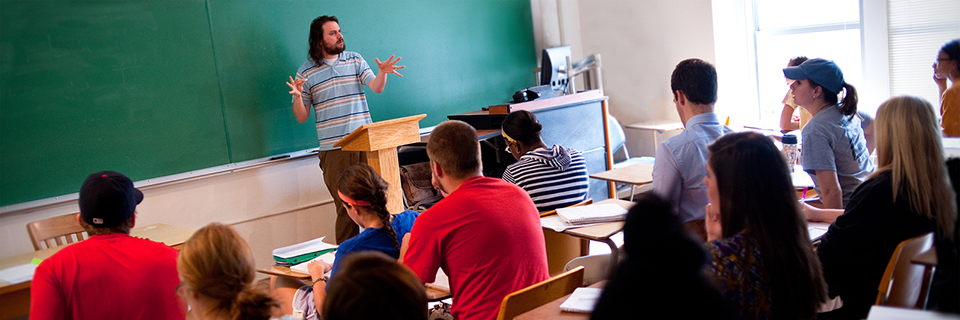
[[507, 148]]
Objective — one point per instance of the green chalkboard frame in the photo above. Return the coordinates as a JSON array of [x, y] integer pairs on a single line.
[[153, 88]]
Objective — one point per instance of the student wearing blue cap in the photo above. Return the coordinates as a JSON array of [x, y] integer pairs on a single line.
[[834, 151], [110, 275]]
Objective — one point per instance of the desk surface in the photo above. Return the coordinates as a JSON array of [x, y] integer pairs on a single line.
[[638, 174], [657, 126], [435, 292], [552, 311]]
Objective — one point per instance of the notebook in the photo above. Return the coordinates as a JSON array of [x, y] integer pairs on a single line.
[[326, 257], [302, 252], [582, 300], [607, 212]]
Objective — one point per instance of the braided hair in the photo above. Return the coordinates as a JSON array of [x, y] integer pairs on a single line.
[[361, 182]]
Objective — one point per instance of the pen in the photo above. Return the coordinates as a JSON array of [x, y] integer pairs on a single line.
[[804, 194]]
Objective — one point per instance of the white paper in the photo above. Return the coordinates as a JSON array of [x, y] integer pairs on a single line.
[[553, 222], [817, 229], [302, 248], [18, 274], [606, 212], [582, 300], [328, 257]]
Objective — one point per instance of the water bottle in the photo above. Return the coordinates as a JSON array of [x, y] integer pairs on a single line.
[[790, 150]]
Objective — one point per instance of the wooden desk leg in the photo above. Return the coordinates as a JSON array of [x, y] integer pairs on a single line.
[[385, 162]]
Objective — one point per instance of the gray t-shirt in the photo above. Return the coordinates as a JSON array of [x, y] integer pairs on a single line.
[[834, 142]]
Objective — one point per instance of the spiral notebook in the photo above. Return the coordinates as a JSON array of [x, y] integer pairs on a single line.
[[607, 212], [582, 300]]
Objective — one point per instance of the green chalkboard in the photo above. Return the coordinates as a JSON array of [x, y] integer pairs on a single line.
[[159, 87]]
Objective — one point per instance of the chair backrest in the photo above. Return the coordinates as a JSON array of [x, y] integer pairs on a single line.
[[55, 231], [581, 203], [617, 137], [539, 294], [902, 284]]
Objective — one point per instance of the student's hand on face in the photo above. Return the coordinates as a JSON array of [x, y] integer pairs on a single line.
[[296, 86], [941, 82], [712, 222]]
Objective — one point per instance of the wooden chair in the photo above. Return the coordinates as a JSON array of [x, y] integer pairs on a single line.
[[905, 284], [55, 231], [563, 247], [528, 298]]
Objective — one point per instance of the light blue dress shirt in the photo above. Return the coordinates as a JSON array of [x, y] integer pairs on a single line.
[[680, 166]]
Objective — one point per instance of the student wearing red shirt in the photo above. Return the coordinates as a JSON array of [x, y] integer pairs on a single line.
[[111, 275], [485, 233]]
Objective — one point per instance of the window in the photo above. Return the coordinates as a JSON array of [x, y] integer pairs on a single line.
[[828, 29], [884, 48], [917, 30]]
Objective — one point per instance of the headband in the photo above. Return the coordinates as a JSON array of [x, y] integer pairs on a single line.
[[357, 203], [509, 139]]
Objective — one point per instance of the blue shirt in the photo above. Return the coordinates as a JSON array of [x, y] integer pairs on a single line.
[[680, 166], [376, 239], [336, 94]]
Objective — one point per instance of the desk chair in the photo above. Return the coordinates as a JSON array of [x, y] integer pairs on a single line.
[[528, 298], [596, 267], [56, 231], [618, 140], [563, 247], [905, 284]]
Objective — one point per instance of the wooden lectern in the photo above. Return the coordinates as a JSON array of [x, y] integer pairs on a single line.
[[380, 141]]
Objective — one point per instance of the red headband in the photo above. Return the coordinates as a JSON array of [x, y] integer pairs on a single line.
[[359, 203]]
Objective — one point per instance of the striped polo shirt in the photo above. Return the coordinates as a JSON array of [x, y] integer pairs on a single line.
[[336, 94], [554, 177]]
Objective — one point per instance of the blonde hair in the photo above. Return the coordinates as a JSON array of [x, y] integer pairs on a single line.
[[910, 148], [217, 263]]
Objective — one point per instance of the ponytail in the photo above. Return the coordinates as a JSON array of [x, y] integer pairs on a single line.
[[379, 205], [253, 304], [849, 104]]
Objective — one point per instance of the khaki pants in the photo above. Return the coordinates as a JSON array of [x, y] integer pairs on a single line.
[[334, 163]]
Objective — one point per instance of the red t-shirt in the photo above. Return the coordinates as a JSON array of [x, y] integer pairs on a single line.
[[111, 276], [486, 236]]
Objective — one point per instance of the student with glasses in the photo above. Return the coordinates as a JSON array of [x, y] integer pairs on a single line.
[[946, 67]]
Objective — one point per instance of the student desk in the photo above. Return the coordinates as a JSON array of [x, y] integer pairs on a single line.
[[635, 175], [602, 232], [552, 311], [15, 298], [435, 292]]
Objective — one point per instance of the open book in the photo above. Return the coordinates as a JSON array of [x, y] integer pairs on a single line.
[[582, 300], [607, 212]]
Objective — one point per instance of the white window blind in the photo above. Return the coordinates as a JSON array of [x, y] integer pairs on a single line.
[[916, 30]]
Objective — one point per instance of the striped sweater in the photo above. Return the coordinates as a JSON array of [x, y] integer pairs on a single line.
[[554, 177], [335, 92]]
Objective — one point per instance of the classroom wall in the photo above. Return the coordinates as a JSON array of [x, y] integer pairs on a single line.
[[270, 206], [640, 43]]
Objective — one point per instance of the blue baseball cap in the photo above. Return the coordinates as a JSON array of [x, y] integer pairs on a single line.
[[823, 72], [108, 198]]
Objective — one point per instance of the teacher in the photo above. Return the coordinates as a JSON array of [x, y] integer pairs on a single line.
[[331, 82]]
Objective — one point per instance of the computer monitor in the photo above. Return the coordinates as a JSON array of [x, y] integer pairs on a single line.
[[554, 70]]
